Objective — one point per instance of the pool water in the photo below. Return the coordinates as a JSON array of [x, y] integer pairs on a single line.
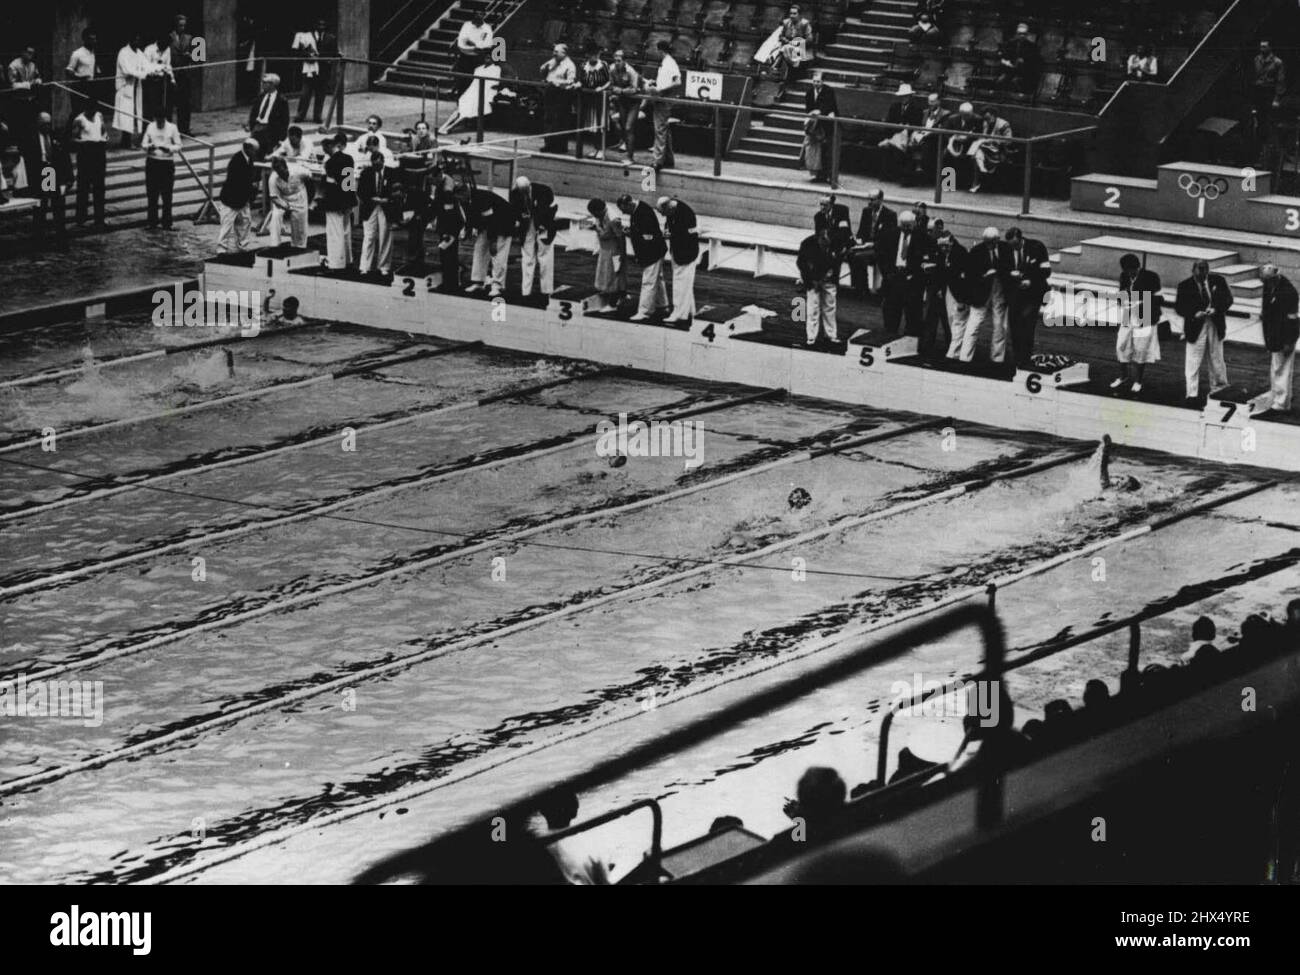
[[248, 600]]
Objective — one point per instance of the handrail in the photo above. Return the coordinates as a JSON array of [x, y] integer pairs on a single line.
[[656, 825]]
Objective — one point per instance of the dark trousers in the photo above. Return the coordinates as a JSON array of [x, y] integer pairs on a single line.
[[52, 203], [154, 93], [451, 266], [624, 112], [901, 302], [313, 91], [182, 96], [557, 113], [159, 176], [859, 263], [936, 333], [90, 179], [1022, 320]]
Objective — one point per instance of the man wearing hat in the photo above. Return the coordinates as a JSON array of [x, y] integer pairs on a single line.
[[684, 248], [268, 120], [649, 247], [906, 109]]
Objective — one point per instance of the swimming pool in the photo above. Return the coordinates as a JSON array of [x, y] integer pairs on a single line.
[[423, 582]]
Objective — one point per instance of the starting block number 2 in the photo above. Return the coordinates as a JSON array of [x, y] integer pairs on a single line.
[[1112, 198]]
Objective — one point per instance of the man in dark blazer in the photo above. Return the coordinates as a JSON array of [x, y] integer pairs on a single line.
[[49, 168], [233, 203], [984, 291], [338, 199], [820, 98], [1202, 301], [834, 218], [1026, 268], [876, 219], [492, 219], [820, 261], [449, 222], [900, 256], [268, 119], [1279, 313], [535, 212], [684, 249], [649, 247], [946, 305], [380, 193]]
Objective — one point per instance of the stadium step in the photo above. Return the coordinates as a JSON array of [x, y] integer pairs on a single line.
[[783, 160], [1099, 257]]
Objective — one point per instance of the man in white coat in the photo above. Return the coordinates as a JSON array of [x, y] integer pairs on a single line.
[[128, 103]]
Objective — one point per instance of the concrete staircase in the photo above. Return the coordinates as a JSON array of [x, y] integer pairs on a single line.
[[858, 55], [434, 53]]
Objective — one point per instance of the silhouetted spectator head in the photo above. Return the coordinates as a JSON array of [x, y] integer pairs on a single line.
[[1096, 694], [1293, 615], [1057, 712], [726, 822], [559, 806], [290, 307], [663, 47], [821, 794], [1204, 630], [1204, 653], [1256, 631], [1032, 729], [596, 208], [1130, 263]]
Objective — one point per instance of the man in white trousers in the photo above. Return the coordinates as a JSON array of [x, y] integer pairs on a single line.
[[684, 249], [1279, 315], [1202, 301], [987, 302], [535, 210], [492, 220], [649, 247], [233, 205], [820, 265], [379, 194], [340, 197]]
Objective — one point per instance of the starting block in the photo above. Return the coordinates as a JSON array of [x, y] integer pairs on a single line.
[[1034, 381], [876, 350], [275, 261]]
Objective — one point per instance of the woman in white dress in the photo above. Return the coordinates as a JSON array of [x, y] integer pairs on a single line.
[[132, 69], [288, 201], [1138, 342]]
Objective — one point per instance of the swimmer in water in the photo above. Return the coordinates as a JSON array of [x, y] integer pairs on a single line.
[[1126, 483], [289, 313]]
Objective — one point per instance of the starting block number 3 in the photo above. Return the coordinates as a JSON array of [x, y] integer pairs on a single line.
[[1292, 218]]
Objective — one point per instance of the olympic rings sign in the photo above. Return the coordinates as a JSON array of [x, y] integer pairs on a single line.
[[1200, 185]]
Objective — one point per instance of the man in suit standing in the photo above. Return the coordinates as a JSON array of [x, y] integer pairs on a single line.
[[237, 194], [535, 209], [819, 103], [649, 246], [50, 175], [492, 219], [339, 199], [181, 43], [984, 289], [312, 45], [819, 263], [381, 204], [906, 109], [900, 257], [268, 119], [947, 307], [1026, 268], [1202, 301], [1279, 313], [449, 223], [876, 220], [834, 219], [684, 248]]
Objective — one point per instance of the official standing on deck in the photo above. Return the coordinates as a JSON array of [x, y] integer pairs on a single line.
[[1026, 268], [987, 302], [380, 194], [1279, 313], [535, 210], [340, 198], [1202, 301], [684, 248], [236, 232], [1138, 342], [820, 262], [449, 224], [876, 219], [492, 220], [900, 255], [649, 246]]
